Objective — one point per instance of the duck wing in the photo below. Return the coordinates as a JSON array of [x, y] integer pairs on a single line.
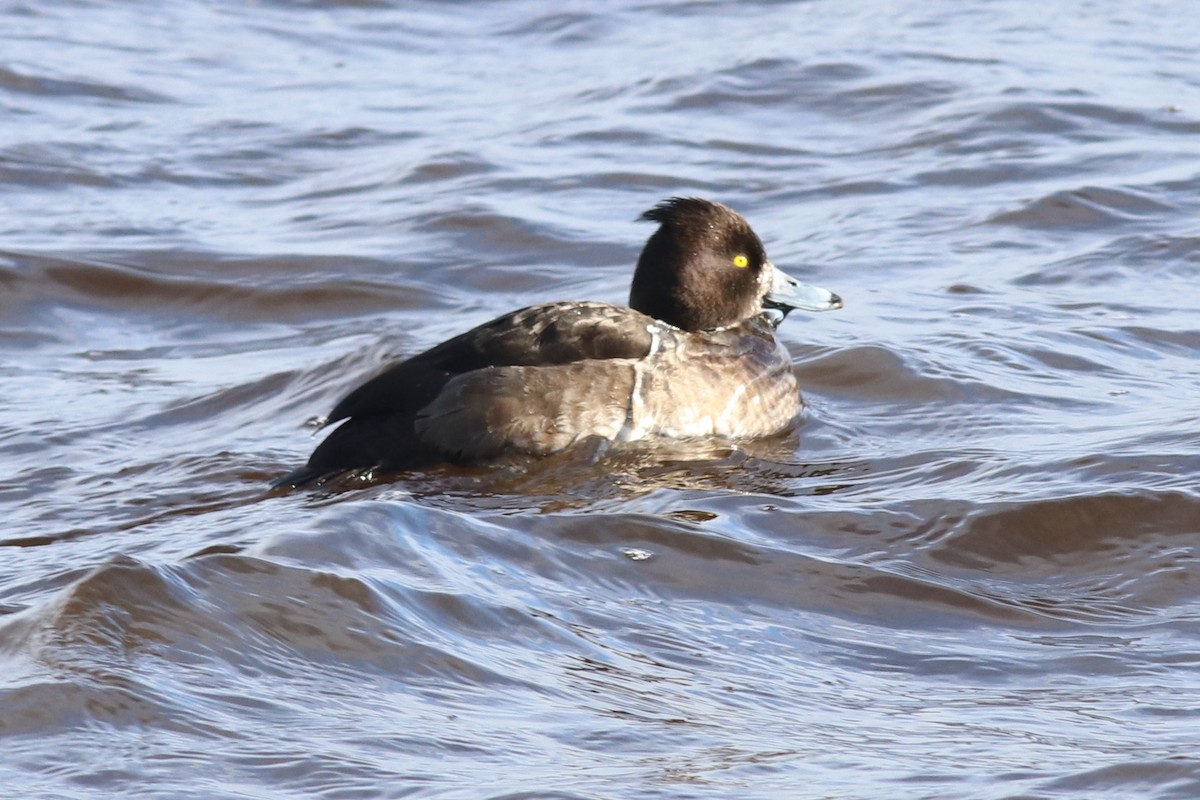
[[548, 334]]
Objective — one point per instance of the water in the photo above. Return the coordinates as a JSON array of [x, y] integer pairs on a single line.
[[970, 572]]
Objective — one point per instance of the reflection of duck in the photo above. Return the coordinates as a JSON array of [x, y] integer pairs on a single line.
[[693, 356]]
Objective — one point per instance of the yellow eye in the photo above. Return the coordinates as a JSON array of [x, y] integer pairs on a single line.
[[741, 261]]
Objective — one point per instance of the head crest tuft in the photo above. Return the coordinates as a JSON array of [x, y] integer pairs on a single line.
[[677, 207]]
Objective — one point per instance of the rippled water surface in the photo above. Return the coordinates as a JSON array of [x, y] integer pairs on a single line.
[[970, 572]]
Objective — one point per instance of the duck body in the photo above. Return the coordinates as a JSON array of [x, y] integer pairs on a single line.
[[694, 356]]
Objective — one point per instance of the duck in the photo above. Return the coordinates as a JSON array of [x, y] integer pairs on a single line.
[[694, 355]]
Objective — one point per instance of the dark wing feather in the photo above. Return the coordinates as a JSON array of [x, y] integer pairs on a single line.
[[554, 333]]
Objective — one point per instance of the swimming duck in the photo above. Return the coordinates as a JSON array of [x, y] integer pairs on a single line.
[[693, 355]]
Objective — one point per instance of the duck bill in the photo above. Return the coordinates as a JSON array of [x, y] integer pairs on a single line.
[[787, 294]]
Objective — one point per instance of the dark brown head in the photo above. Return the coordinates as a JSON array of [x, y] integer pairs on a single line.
[[705, 268]]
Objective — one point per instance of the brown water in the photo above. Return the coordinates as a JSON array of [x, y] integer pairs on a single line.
[[970, 573]]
